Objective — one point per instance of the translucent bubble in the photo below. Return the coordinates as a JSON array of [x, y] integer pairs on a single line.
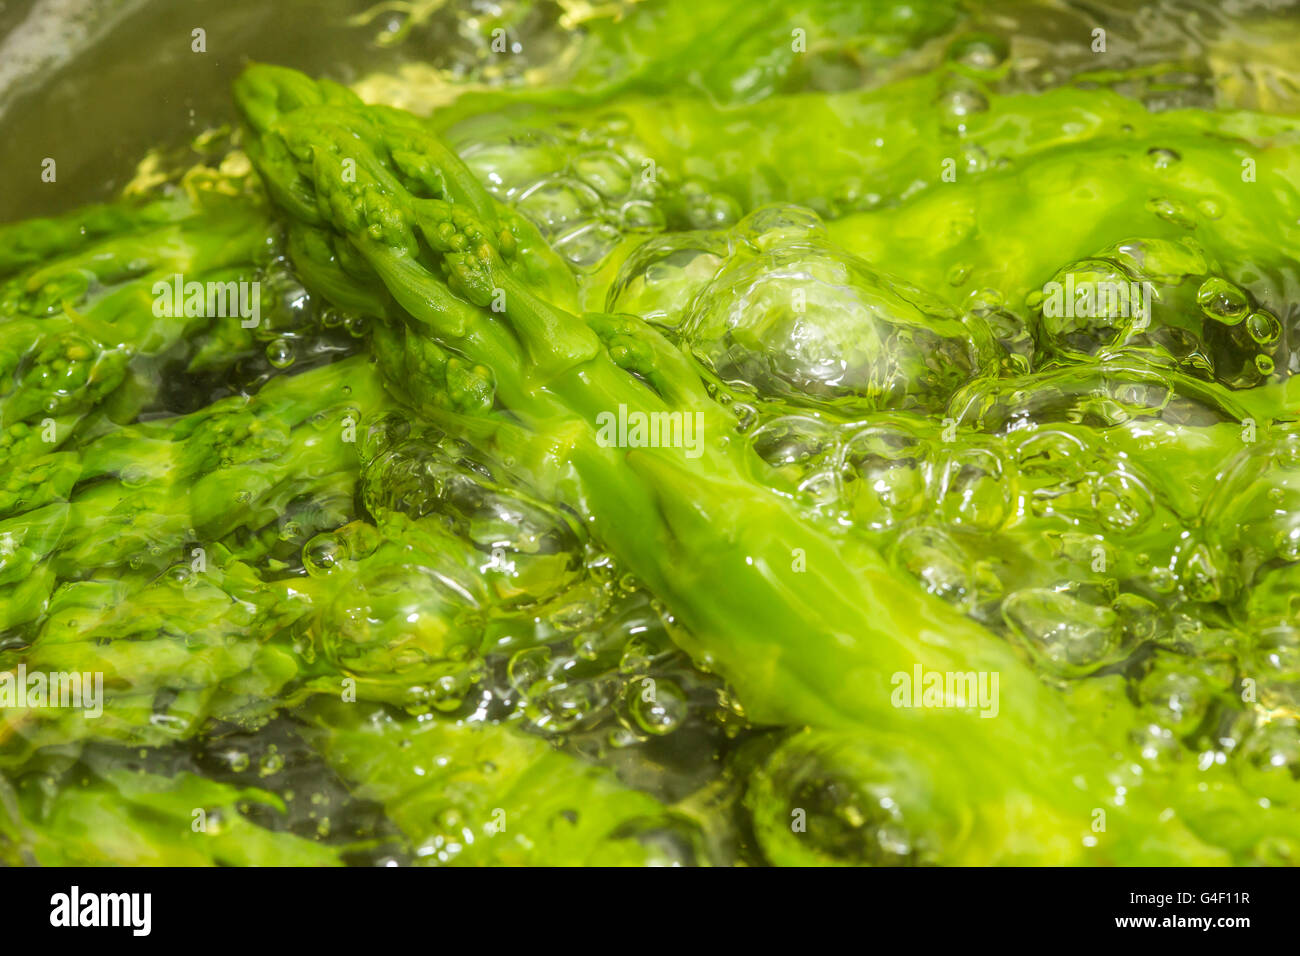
[[238, 760], [530, 550], [973, 487], [322, 553], [770, 226], [711, 211], [587, 246], [356, 325], [1275, 649], [507, 168], [812, 325], [1122, 500], [860, 807], [559, 706], [1253, 516], [447, 692], [660, 280], [1067, 636], [1174, 211], [658, 707], [604, 171], [1271, 756], [292, 307], [1210, 208], [958, 104], [1159, 260], [1199, 573], [558, 203], [1222, 301], [1179, 690], [641, 215], [885, 474], [1161, 158], [270, 764], [939, 563], [527, 667], [1157, 745], [1263, 327], [979, 52], [1163, 580], [794, 445]]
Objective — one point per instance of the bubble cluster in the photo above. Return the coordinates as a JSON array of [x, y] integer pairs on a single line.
[[775, 311], [591, 188]]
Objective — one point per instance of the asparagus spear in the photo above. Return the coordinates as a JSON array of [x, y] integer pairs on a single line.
[[81, 331], [133, 497], [108, 814]]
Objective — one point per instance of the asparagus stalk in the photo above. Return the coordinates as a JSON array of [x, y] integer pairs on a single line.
[[133, 497]]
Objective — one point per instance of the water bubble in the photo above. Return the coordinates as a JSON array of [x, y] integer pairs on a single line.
[[587, 246], [237, 760], [973, 488], [885, 471], [1263, 327], [657, 708], [974, 160], [958, 104], [1222, 301], [794, 445], [639, 654], [508, 168], [660, 280], [559, 706], [641, 215], [557, 203], [605, 171], [271, 763], [1272, 753], [808, 324], [528, 667], [448, 691], [979, 52], [770, 226], [711, 211], [1200, 575], [1210, 208], [322, 553], [939, 563], [280, 353], [1068, 636], [1174, 211], [1122, 501], [1163, 580], [1161, 158]]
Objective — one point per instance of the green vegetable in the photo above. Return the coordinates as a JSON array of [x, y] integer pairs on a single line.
[[796, 434], [707, 535], [120, 817], [145, 495], [482, 795]]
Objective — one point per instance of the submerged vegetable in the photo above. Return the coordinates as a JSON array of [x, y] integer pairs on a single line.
[[718, 483]]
